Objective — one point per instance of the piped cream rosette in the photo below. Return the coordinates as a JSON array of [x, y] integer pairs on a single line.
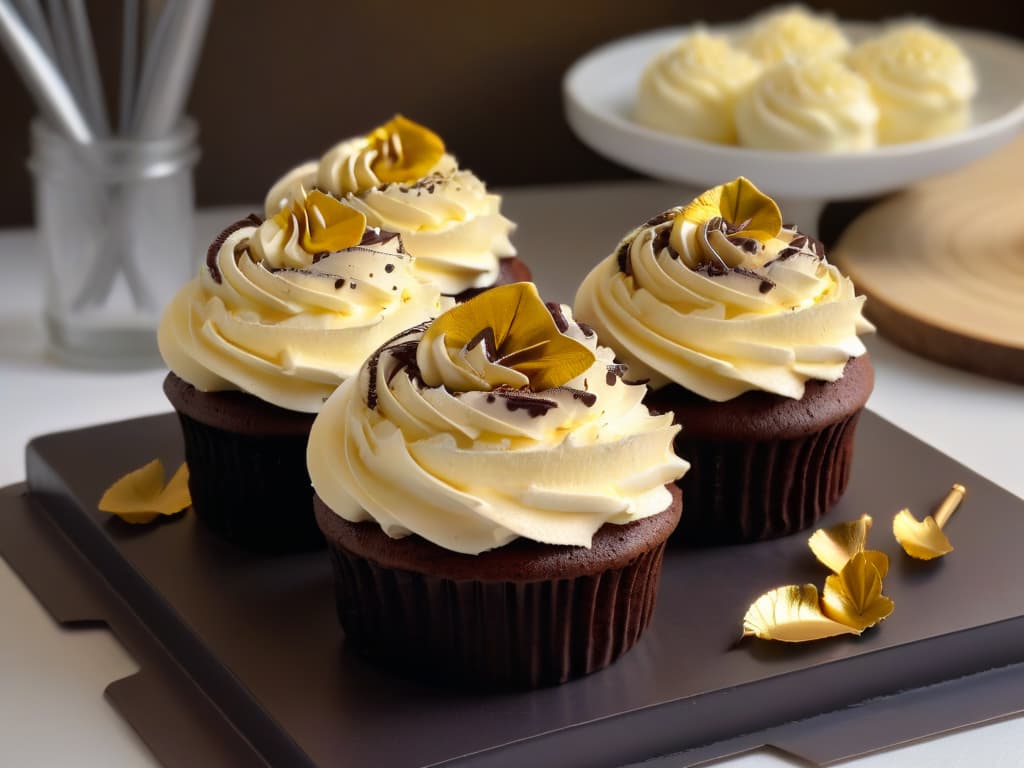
[[692, 88], [502, 419], [922, 81], [719, 297], [289, 308], [793, 32], [401, 178], [811, 104]]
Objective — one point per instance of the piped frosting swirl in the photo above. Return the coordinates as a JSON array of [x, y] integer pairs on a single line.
[[462, 441], [289, 308], [721, 298], [402, 180]]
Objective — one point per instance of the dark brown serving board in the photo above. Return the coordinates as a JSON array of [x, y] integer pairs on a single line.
[[258, 636]]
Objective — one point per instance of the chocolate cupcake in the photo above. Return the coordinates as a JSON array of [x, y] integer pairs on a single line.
[[494, 498], [749, 336], [402, 179], [281, 313]]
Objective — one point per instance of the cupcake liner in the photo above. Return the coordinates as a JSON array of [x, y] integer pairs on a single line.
[[742, 491], [251, 488], [502, 634], [524, 615]]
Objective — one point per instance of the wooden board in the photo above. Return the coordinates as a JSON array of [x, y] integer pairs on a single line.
[[942, 265]]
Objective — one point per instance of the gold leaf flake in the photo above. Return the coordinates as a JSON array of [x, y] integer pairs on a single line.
[[515, 322], [854, 595], [741, 205], [406, 151], [791, 614], [925, 540], [140, 496], [330, 224], [836, 545], [324, 223], [921, 539]]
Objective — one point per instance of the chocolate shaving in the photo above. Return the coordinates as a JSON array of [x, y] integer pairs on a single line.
[[402, 354], [622, 256], [663, 217], [661, 242], [561, 323], [485, 336], [252, 220], [746, 244]]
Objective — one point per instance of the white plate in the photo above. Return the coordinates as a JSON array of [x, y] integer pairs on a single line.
[[599, 90]]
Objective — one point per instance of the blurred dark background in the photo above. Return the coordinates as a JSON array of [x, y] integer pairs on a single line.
[[279, 83]]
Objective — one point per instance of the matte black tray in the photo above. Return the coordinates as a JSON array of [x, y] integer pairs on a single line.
[[258, 641]]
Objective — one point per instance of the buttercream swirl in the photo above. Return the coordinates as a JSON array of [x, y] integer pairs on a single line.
[[473, 470], [290, 333], [921, 80], [722, 314], [791, 33], [446, 217], [813, 104], [691, 89]]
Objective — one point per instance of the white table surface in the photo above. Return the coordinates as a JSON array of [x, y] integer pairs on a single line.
[[52, 710]]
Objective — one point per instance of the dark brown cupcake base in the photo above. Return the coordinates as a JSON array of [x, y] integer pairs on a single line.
[[247, 468], [762, 465], [511, 270], [521, 616]]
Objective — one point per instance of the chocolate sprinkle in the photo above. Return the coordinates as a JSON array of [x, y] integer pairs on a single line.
[[252, 220], [766, 284], [522, 399], [586, 329]]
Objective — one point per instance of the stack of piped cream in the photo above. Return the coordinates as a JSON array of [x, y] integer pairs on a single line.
[[792, 81]]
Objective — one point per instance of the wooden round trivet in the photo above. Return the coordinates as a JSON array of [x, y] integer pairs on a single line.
[[942, 265]]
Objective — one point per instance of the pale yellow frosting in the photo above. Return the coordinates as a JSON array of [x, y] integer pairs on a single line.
[[450, 223], [921, 80], [793, 32], [766, 317], [473, 470], [691, 89], [812, 104], [270, 321], [447, 219], [290, 187]]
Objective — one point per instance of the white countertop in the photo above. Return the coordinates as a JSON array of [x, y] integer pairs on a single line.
[[52, 710]]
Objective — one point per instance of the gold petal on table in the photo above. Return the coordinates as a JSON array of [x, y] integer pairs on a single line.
[[791, 614], [739, 203], [836, 545], [921, 539], [854, 596], [941, 264], [140, 496]]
